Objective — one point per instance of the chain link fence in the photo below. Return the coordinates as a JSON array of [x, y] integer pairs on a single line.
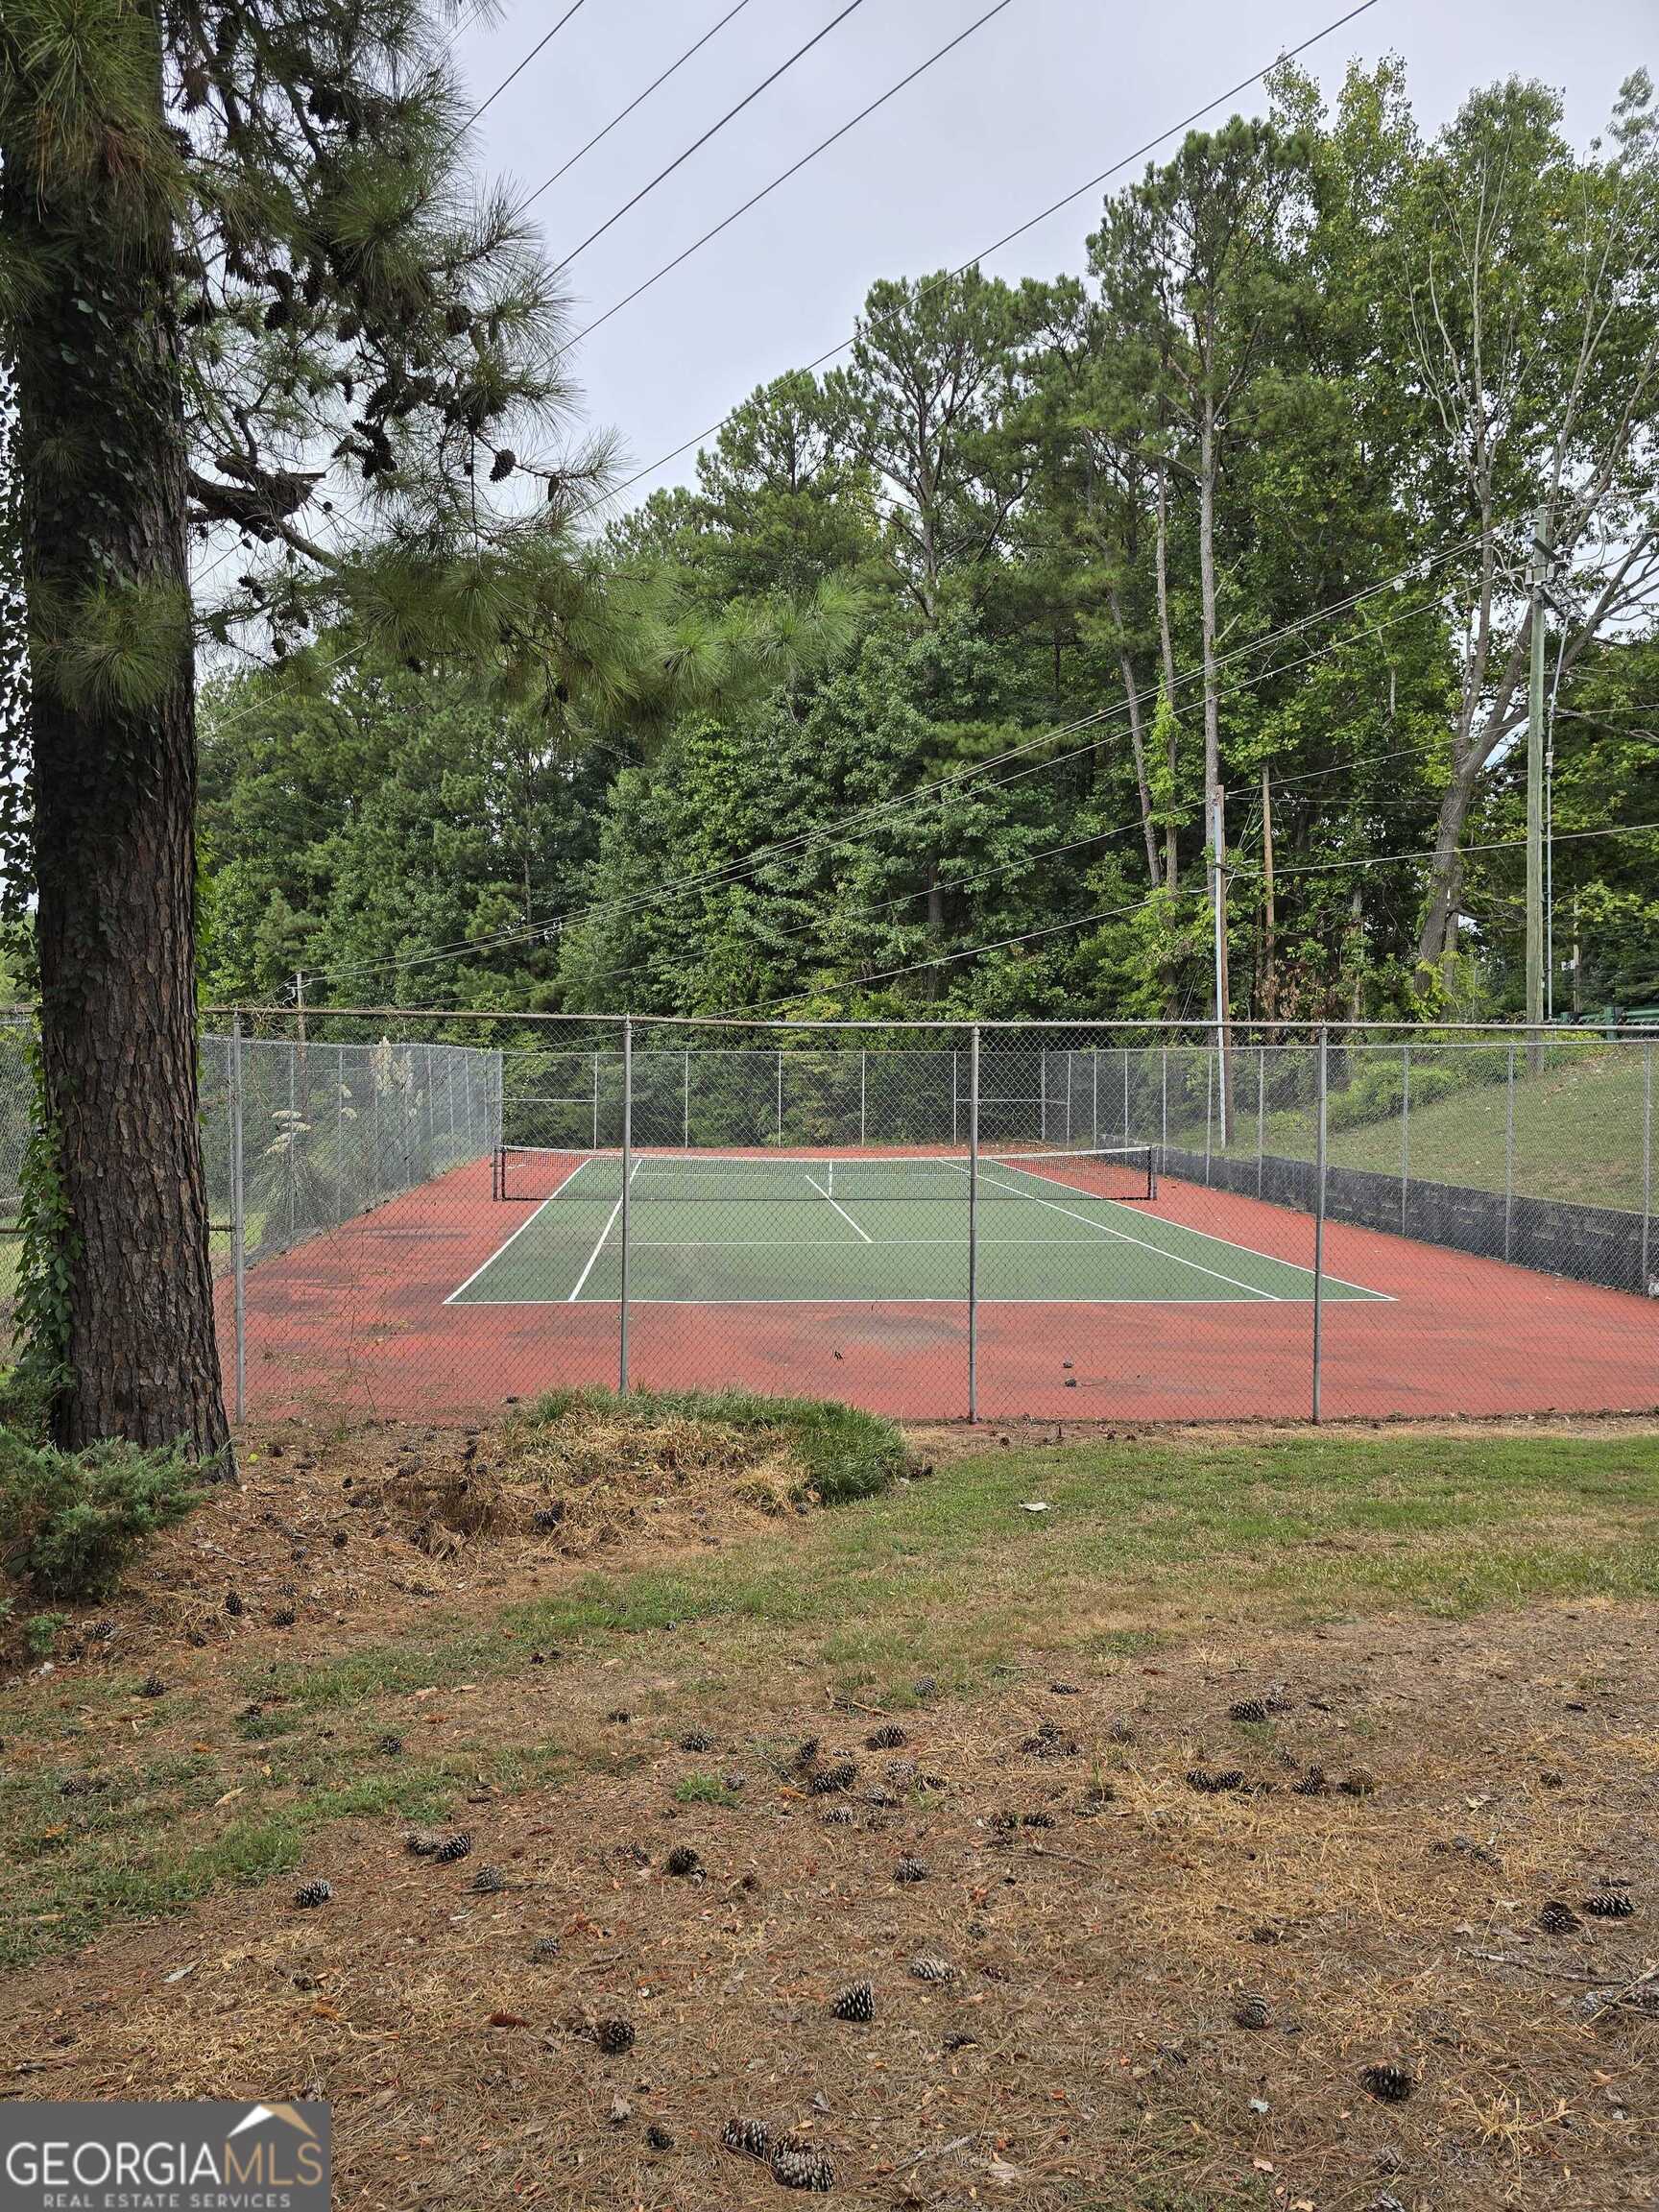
[[425, 1215]]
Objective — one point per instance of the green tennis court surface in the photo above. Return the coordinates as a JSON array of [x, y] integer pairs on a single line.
[[891, 1231]]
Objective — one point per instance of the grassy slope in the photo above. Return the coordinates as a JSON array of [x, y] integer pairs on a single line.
[[1577, 1128], [1143, 1541]]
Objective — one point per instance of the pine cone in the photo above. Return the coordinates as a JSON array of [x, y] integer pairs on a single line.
[[489, 1881], [1247, 1709], [1252, 2011], [889, 1737], [696, 1739], [682, 1862], [909, 1869], [856, 2002], [311, 1894], [1556, 1918], [451, 1848], [614, 2035], [1392, 2083], [1610, 1904], [799, 2163], [840, 1776], [929, 1967], [748, 2138]]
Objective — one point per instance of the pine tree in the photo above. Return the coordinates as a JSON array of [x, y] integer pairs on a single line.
[[234, 259]]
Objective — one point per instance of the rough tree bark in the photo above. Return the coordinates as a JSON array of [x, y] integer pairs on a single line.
[[101, 447]]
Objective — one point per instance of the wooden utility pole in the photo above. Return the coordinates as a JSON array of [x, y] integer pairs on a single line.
[[1269, 919], [1223, 1017], [1537, 575]]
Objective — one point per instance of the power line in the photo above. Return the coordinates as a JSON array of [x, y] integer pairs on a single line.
[[639, 99], [1139, 905], [540, 46], [732, 871], [823, 146], [1008, 238], [645, 190], [973, 951]]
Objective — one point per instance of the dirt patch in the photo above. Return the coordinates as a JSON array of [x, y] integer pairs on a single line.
[[338, 1534], [1172, 1940]]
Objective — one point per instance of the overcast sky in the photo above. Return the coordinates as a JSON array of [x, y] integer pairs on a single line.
[[1047, 95]]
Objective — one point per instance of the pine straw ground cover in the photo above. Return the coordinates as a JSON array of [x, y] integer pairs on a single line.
[[1161, 1996]]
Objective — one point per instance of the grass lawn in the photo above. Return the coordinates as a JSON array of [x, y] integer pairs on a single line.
[[602, 1632], [1577, 1133]]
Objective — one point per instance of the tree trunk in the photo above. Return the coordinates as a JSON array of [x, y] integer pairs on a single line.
[[103, 462], [1137, 743]]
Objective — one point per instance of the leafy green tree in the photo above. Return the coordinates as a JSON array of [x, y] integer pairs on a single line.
[[1526, 283]]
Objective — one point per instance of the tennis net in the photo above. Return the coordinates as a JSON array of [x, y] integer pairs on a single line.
[[539, 1172]]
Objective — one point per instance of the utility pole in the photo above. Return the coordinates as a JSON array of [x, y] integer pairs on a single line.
[[1223, 1017], [1537, 577]]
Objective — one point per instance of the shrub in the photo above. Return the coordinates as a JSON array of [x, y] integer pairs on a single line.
[[70, 1521]]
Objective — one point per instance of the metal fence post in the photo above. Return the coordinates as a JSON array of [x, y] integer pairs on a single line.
[[685, 1103], [863, 1075], [627, 1178], [1163, 1105], [1126, 1093], [1405, 1132], [1209, 1110], [595, 1100], [1509, 1151], [1261, 1117], [1320, 1229], [339, 1135], [238, 1226], [779, 1098], [974, 1225], [1647, 1161]]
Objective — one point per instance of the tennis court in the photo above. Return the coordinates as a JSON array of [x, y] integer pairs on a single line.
[[756, 1229]]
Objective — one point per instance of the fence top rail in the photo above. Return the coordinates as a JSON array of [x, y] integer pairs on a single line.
[[1540, 1032]]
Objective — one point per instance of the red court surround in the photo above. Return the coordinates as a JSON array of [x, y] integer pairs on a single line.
[[354, 1320]]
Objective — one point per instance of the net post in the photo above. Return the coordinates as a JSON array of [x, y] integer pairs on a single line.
[[627, 1178], [1405, 1132], [1509, 1151], [973, 1224], [1319, 1082], [239, 1227]]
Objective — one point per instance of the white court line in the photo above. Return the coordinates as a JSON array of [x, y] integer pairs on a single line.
[[528, 1223], [840, 1209], [1037, 1298], [1106, 1230], [599, 1247]]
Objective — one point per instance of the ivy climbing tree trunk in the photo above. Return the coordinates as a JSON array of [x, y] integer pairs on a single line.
[[101, 445]]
